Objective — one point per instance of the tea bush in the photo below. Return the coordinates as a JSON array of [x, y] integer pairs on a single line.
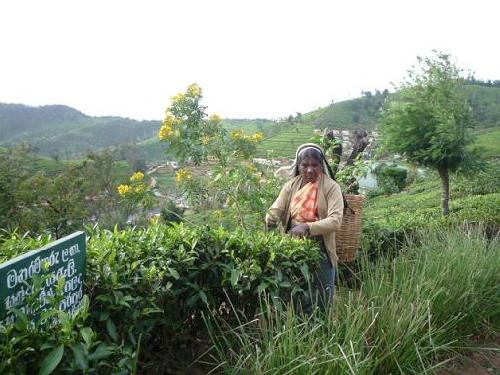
[[390, 178], [389, 220], [150, 286]]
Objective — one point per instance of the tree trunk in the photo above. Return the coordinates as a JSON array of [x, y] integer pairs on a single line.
[[445, 182]]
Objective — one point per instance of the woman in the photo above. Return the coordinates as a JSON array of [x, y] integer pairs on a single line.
[[311, 205]]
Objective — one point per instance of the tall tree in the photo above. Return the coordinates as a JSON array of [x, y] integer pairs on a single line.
[[428, 120]]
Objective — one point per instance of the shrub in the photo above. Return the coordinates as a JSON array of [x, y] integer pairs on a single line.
[[388, 221], [149, 287], [390, 178]]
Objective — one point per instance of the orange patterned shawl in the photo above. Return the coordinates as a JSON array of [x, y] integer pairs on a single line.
[[304, 207]]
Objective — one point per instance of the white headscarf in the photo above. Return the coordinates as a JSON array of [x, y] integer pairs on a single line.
[[291, 170]]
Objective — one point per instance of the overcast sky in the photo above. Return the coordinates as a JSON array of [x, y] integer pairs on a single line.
[[265, 59]]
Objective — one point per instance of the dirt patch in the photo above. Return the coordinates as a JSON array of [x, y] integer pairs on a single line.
[[484, 360]]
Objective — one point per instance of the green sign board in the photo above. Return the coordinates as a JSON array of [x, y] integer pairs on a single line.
[[62, 258]]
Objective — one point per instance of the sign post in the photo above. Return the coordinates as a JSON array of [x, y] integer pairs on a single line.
[[63, 258]]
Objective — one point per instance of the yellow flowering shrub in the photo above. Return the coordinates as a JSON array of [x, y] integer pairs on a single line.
[[259, 136], [237, 135], [177, 98], [183, 175], [124, 189], [194, 90], [137, 176], [165, 132]]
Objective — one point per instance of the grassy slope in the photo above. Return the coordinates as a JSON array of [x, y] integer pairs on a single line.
[[249, 126], [488, 143], [286, 142], [485, 102], [349, 114], [362, 112], [121, 169], [472, 199]]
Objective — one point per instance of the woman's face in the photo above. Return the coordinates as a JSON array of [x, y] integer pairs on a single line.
[[310, 169]]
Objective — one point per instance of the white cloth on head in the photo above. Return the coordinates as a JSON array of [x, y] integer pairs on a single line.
[[300, 149]]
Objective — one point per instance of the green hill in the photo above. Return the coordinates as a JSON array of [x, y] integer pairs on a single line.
[[488, 142], [250, 125], [359, 113], [286, 142], [485, 103], [58, 130], [362, 113], [65, 132]]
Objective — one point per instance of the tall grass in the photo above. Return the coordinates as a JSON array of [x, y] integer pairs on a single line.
[[408, 316]]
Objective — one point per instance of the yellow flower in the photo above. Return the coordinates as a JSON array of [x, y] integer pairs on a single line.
[[137, 176], [205, 140], [177, 98], [170, 120], [237, 134], [123, 189], [167, 129], [183, 175], [165, 132], [194, 90], [257, 137]]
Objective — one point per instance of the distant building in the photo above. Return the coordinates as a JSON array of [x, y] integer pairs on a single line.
[[173, 164]]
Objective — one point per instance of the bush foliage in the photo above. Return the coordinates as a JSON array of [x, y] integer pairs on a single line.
[[146, 287]]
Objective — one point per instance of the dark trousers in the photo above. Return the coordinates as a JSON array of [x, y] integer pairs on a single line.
[[322, 286]]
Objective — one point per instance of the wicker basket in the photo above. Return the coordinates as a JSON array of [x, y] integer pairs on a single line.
[[348, 238]]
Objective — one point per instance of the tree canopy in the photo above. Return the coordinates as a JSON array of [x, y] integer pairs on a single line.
[[428, 121]]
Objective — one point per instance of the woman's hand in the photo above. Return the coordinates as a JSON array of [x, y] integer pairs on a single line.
[[301, 230]]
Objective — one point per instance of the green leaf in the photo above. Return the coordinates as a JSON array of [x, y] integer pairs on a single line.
[[87, 335], [191, 301], [203, 296], [80, 356], [102, 351], [52, 360], [111, 328], [305, 271], [262, 287], [174, 273], [235, 276]]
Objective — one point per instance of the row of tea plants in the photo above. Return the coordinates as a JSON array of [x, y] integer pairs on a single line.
[[146, 292]]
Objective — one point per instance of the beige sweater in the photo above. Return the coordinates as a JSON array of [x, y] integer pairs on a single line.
[[330, 210]]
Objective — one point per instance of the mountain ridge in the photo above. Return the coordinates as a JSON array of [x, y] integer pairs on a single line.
[[67, 132]]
